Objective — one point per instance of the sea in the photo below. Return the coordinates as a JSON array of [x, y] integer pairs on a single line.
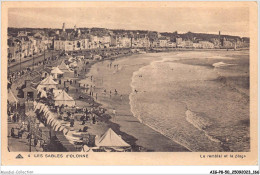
[[199, 99]]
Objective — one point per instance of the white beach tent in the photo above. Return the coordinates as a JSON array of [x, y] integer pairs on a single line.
[[64, 99], [56, 92], [85, 148], [64, 68], [48, 83], [111, 139], [41, 125], [55, 72]]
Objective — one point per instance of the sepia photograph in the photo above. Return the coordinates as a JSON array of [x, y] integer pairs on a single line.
[[129, 78]]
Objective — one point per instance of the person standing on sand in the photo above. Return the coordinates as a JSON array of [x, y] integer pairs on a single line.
[[96, 96], [114, 114]]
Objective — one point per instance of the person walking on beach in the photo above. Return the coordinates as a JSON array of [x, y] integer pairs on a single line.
[[96, 96], [114, 114], [110, 94]]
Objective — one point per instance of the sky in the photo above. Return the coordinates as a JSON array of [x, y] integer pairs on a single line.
[[231, 21]]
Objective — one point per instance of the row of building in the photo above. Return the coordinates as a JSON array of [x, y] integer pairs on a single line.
[[27, 44]]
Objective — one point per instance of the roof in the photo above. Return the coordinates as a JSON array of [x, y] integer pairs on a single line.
[[11, 97], [63, 96], [48, 81], [111, 139], [64, 67], [56, 92], [56, 70]]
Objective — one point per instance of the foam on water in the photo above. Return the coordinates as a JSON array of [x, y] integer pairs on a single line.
[[152, 103]]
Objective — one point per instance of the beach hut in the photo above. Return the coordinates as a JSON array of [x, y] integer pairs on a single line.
[[64, 99], [110, 139], [56, 72], [48, 83]]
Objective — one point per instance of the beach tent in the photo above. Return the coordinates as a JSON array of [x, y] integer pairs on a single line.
[[41, 125], [48, 83], [56, 92], [64, 99], [11, 98], [55, 72], [85, 148], [111, 139], [64, 68]]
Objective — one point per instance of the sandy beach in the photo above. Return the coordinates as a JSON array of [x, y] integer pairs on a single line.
[[167, 112]]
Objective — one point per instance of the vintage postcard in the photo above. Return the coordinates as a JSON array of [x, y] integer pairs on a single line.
[[129, 83]]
